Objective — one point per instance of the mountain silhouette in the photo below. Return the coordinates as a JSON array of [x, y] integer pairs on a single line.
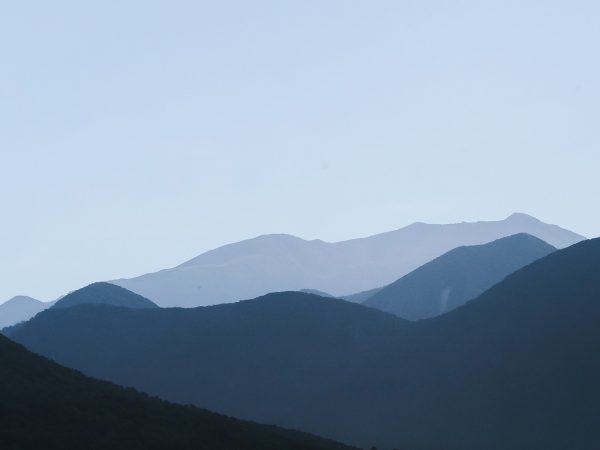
[[46, 406], [279, 262], [457, 276], [516, 368], [105, 294], [20, 308]]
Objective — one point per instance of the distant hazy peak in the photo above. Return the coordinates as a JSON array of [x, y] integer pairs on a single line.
[[256, 243], [19, 309], [522, 216], [22, 299], [275, 237]]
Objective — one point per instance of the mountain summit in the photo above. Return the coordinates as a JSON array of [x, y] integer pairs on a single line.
[[104, 294]]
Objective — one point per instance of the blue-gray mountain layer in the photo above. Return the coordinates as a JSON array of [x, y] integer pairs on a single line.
[[20, 308], [460, 275], [275, 263]]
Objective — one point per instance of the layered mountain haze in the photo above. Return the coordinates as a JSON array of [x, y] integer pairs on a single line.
[[516, 368], [457, 276], [300, 225], [256, 359], [20, 308], [274, 263]]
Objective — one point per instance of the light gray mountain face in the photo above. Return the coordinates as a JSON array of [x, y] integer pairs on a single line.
[[20, 308], [280, 262]]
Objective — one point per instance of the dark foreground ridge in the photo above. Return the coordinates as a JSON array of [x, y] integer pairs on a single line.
[[46, 406]]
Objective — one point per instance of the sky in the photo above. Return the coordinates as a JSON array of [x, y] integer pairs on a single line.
[[136, 135]]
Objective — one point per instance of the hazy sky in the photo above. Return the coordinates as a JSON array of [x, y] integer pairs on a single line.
[[137, 134]]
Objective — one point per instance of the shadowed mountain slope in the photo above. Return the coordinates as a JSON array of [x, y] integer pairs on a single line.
[[516, 368], [457, 276], [256, 359], [46, 406]]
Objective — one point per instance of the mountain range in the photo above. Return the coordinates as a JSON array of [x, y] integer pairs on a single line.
[[455, 277], [516, 367], [281, 262]]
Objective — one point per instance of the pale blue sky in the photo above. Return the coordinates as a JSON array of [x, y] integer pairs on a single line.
[[137, 134]]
